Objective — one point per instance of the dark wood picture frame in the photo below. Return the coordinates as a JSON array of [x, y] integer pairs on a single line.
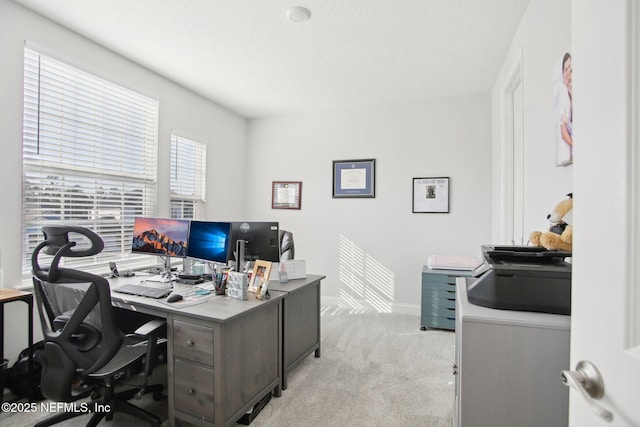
[[286, 195]]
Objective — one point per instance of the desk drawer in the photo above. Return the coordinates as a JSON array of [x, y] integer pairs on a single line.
[[193, 342], [193, 390]]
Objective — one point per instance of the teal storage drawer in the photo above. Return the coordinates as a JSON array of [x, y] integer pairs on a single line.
[[445, 286], [437, 322], [438, 305], [442, 279]]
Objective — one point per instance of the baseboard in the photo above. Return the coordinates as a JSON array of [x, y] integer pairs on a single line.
[[363, 306]]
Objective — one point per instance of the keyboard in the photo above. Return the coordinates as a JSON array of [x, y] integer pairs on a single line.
[[143, 291]]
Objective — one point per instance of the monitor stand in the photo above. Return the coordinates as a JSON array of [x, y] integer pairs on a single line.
[[166, 275]]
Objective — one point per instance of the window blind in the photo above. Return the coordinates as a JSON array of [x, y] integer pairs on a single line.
[[89, 156], [188, 178]]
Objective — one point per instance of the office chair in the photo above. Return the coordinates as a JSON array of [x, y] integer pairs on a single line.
[[85, 353], [287, 250]]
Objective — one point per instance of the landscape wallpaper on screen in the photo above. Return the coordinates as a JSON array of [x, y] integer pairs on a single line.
[[160, 236]]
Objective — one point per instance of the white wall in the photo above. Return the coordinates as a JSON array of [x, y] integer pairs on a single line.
[[543, 36], [373, 250], [181, 110]]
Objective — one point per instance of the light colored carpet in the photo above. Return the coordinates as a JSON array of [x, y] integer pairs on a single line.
[[376, 369]]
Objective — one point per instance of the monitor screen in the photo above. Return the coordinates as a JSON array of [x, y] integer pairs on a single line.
[[209, 241], [160, 236], [261, 240]]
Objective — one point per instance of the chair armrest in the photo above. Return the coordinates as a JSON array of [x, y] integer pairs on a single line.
[[152, 327], [151, 330]]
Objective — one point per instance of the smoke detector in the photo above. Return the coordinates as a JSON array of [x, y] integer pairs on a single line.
[[298, 14]]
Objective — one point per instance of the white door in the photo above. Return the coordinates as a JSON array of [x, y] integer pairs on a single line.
[[605, 321]]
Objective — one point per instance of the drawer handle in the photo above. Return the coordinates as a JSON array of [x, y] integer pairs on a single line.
[[190, 343], [451, 299], [191, 392], [451, 309], [452, 292]]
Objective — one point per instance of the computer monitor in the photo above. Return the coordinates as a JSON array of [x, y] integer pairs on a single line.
[[209, 241], [160, 236], [261, 240]]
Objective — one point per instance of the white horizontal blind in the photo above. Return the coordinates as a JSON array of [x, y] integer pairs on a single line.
[[188, 178], [89, 156]]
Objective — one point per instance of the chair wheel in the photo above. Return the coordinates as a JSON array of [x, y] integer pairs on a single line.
[[157, 395]]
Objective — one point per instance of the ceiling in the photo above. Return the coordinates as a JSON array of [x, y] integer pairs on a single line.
[[248, 57]]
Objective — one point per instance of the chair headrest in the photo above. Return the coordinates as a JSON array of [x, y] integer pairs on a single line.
[[57, 243], [57, 237]]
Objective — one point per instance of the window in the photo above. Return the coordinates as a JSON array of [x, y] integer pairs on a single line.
[[188, 178], [89, 156]]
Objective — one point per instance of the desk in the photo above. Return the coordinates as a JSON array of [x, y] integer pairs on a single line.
[[223, 355], [301, 321], [10, 295]]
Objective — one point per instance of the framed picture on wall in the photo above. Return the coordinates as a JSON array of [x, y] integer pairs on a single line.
[[431, 195], [286, 194], [354, 178]]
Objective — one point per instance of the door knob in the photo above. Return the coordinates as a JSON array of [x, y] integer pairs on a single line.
[[587, 380]]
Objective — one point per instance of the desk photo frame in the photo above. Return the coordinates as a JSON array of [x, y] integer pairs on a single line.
[[431, 195], [354, 178], [261, 272]]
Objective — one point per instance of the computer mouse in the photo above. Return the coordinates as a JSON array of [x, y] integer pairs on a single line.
[[174, 298]]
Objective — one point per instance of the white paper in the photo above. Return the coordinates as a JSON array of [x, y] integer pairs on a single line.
[[286, 195], [353, 179]]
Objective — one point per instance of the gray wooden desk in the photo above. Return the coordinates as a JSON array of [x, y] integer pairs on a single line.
[[224, 355], [301, 320]]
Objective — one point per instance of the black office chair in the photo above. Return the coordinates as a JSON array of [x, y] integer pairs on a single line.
[[85, 353], [287, 250]]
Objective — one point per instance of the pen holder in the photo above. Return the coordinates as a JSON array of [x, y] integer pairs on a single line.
[[220, 285]]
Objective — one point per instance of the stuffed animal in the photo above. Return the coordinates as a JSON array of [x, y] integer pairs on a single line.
[[560, 234]]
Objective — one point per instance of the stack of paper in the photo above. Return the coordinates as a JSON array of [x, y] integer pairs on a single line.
[[447, 262]]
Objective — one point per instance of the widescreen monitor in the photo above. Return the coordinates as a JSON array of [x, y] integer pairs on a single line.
[[209, 241], [160, 236], [261, 240]]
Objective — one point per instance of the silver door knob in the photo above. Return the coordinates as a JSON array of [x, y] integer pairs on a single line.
[[586, 379]]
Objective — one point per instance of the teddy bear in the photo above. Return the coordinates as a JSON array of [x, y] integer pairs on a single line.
[[560, 234]]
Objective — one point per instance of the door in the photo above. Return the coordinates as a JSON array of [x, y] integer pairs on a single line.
[[605, 320]]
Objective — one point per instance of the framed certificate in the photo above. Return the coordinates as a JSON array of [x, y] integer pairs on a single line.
[[286, 195], [431, 195], [354, 178]]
